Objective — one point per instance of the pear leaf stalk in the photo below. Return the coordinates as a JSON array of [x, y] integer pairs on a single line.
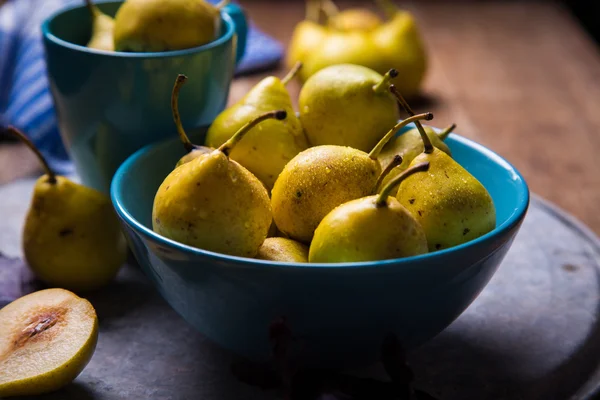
[[385, 192], [21, 136], [428, 147], [228, 145], [385, 82], [292, 73], [379, 146]]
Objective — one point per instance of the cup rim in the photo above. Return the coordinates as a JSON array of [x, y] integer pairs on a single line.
[[48, 35], [512, 221]]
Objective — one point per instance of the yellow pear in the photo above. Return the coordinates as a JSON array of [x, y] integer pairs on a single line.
[[371, 228], [321, 178], [283, 250], [351, 19], [347, 105], [399, 43], [71, 237], [46, 339], [158, 25], [102, 29], [214, 203], [451, 205], [267, 148]]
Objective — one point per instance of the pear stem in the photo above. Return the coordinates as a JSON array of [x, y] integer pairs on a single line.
[[329, 8], [181, 79], [228, 145], [313, 9], [385, 82], [90, 7], [385, 192], [444, 134], [222, 4], [389, 9], [51, 174], [292, 73], [379, 146], [427, 146], [397, 160]]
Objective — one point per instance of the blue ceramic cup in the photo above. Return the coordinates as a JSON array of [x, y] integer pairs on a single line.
[[110, 104]]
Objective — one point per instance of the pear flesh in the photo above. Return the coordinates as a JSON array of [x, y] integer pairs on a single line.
[[158, 25], [339, 105], [72, 237], [283, 250], [451, 205], [360, 230], [215, 204], [315, 182], [46, 340], [267, 147]]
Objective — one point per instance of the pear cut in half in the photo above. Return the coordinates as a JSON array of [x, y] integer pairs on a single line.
[[46, 339]]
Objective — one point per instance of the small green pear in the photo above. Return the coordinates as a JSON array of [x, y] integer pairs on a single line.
[[214, 203], [283, 250], [451, 204], [102, 29], [371, 228], [347, 105], [267, 148], [71, 237], [158, 25], [322, 177]]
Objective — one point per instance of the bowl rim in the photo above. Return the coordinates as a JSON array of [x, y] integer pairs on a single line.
[[51, 37], [514, 219]]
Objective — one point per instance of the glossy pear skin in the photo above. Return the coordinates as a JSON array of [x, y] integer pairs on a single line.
[[158, 25], [102, 31], [451, 205], [46, 340], [269, 146], [409, 145], [361, 231], [213, 203], [315, 182], [72, 237], [400, 44], [283, 250], [306, 37], [339, 106]]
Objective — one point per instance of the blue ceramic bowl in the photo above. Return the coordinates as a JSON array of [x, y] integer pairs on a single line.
[[339, 313]]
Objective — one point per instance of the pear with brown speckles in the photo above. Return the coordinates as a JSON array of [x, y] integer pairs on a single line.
[[214, 203], [321, 178], [451, 205]]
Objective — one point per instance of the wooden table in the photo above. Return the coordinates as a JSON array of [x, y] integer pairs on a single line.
[[521, 78]]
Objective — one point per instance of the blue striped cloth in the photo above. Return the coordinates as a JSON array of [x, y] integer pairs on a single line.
[[25, 101]]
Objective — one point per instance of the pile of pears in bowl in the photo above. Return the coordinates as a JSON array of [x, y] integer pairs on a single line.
[[342, 218]]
